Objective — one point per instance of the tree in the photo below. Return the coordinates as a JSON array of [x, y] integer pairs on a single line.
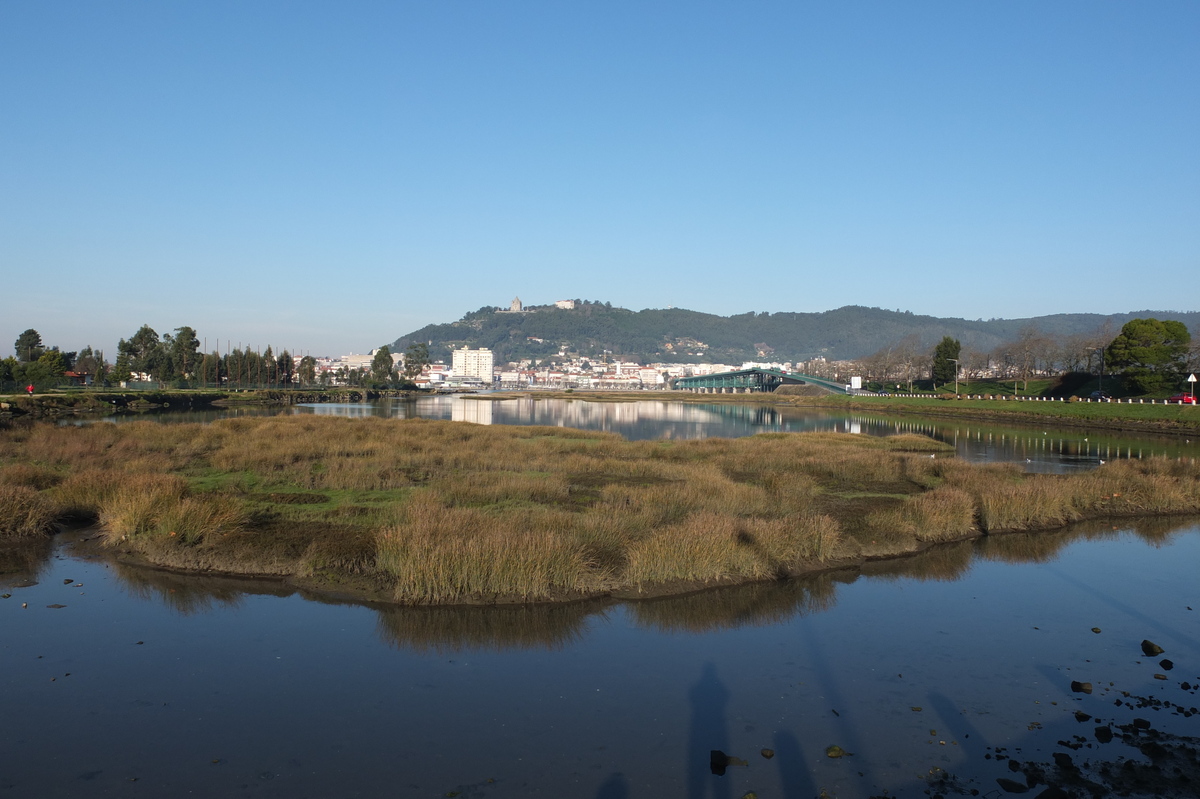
[[142, 353], [29, 346], [45, 372], [184, 349], [308, 370], [8, 370], [944, 356], [416, 358], [286, 367], [1150, 353], [381, 365], [91, 362]]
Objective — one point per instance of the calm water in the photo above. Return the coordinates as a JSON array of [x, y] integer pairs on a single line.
[[148, 684], [1040, 448]]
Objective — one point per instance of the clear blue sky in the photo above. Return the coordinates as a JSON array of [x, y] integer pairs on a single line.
[[327, 176]]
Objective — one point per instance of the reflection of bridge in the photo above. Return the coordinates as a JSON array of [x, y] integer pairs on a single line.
[[746, 380]]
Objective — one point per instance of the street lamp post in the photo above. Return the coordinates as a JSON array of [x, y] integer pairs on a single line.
[[955, 360]]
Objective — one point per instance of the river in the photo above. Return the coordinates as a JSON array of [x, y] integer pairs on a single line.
[[932, 673]]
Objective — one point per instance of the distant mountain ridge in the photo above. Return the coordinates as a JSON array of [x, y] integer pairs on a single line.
[[679, 335]]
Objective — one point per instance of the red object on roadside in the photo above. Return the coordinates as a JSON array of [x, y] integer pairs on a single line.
[[29, 388], [1183, 399]]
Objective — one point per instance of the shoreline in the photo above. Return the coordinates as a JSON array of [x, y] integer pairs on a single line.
[[1163, 419], [79, 544], [120, 401]]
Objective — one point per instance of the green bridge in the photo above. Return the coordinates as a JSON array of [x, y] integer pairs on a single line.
[[746, 380]]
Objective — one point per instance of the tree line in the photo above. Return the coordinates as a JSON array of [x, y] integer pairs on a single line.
[[176, 359], [1148, 356]]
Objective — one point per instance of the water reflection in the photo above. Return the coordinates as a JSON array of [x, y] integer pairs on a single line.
[[554, 627], [757, 604], [1041, 448], [191, 594], [22, 561], [448, 629]]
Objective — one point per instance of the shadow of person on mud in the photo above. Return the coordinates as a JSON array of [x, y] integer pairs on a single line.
[[707, 731], [615, 787]]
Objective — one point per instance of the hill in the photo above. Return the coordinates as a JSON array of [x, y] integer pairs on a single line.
[[678, 335]]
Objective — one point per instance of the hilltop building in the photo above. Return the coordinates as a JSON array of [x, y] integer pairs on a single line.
[[566, 305], [516, 306]]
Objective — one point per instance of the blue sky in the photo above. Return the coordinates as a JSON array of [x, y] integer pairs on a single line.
[[328, 176]]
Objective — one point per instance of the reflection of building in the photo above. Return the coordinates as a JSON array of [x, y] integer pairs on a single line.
[[473, 411], [473, 363]]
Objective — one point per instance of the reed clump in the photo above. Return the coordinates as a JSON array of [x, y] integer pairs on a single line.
[[441, 512], [24, 512]]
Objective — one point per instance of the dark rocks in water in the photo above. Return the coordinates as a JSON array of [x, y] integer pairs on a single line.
[[56, 606], [718, 761], [1081, 687], [1063, 760], [1141, 724], [835, 751], [1166, 664], [1151, 649], [768, 753], [1096, 629], [1081, 717], [1160, 676], [68, 581], [1104, 734], [1053, 792], [1012, 786], [1014, 765]]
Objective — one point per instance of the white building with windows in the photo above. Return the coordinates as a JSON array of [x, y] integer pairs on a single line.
[[473, 363]]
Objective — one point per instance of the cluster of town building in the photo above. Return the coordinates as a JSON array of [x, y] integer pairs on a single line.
[[476, 368]]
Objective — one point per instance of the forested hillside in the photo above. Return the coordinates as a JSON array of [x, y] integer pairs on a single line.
[[679, 335]]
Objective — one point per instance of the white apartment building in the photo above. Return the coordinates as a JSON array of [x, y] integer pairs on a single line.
[[473, 363]]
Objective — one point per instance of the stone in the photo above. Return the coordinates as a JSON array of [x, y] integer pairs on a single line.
[[835, 751], [1166, 664], [1104, 734], [1096, 629], [768, 753], [1151, 649], [1011, 786], [1081, 687]]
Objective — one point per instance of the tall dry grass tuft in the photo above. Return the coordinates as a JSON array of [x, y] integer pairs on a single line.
[[38, 478], [84, 493], [437, 554], [24, 513], [709, 547], [140, 503], [943, 514]]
